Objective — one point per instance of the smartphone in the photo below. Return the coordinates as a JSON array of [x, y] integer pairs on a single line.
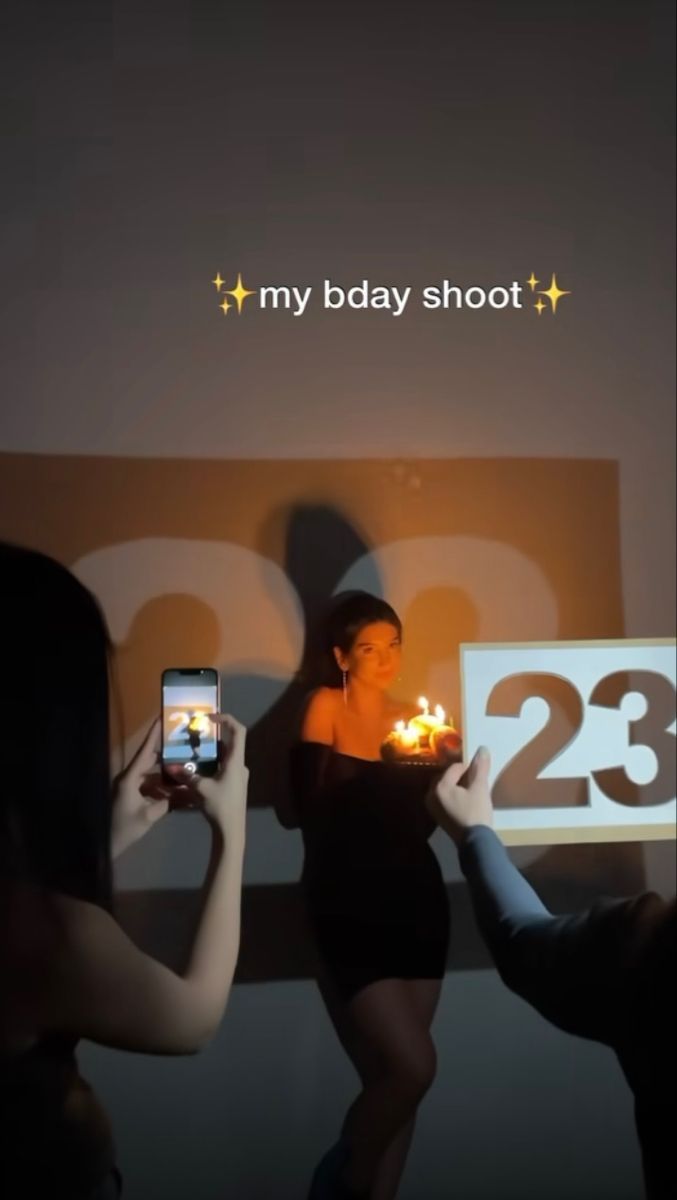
[[189, 738]]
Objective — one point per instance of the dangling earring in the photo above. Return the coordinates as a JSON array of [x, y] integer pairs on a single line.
[[345, 687]]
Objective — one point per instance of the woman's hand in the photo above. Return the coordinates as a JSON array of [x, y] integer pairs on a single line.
[[139, 796], [456, 807], [224, 798]]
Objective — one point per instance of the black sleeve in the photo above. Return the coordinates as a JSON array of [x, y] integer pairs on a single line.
[[571, 968], [308, 767]]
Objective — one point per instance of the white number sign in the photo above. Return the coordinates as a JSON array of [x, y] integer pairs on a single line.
[[582, 737]]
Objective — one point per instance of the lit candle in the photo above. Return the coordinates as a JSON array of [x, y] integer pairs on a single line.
[[407, 737], [427, 737], [426, 721]]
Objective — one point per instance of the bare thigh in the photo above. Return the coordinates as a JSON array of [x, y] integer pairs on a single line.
[[387, 1021], [424, 995]]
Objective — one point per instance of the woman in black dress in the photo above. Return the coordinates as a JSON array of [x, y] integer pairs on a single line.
[[375, 897]]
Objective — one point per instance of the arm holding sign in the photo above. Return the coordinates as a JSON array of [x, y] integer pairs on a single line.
[[607, 973], [569, 967]]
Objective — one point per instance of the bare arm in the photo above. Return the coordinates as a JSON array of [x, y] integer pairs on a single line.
[[215, 949], [104, 988], [93, 982]]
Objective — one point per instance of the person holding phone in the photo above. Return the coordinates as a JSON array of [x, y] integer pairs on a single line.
[[68, 969], [375, 897], [607, 973]]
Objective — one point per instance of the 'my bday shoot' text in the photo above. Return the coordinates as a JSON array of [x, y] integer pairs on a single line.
[[332, 296]]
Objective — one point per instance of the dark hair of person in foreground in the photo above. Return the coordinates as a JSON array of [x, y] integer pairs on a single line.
[[69, 971]]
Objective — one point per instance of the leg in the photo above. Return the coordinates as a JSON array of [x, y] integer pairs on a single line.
[[367, 1066], [363, 1058], [392, 1017], [424, 995]]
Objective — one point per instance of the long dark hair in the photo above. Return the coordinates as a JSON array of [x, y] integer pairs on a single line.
[[55, 790], [349, 614]]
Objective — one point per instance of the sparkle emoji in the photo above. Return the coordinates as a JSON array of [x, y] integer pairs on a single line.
[[553, 293], [218, 281], [239, 294], [532, 281]]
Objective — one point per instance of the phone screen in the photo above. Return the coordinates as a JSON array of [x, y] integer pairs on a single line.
[[189, 738]]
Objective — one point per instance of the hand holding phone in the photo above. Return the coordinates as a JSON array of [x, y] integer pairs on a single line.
[[224, 797], [139, 798]]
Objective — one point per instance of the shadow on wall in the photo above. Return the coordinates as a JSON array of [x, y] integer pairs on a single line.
[[483, 550], [321, 545], [277, 943]]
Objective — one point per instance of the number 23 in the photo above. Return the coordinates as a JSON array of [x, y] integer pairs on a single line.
[[651, 730]]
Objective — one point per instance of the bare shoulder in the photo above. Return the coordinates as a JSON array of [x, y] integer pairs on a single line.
[[324, 699], [41, 927], [77, 918], [320, 716]]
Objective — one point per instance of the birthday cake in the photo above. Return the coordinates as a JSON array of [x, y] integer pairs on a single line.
[[427, 740]]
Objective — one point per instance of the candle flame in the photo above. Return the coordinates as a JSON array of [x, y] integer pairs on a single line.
[[414, 734]]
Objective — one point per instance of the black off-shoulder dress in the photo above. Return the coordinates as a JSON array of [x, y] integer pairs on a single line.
[[373, 885]]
